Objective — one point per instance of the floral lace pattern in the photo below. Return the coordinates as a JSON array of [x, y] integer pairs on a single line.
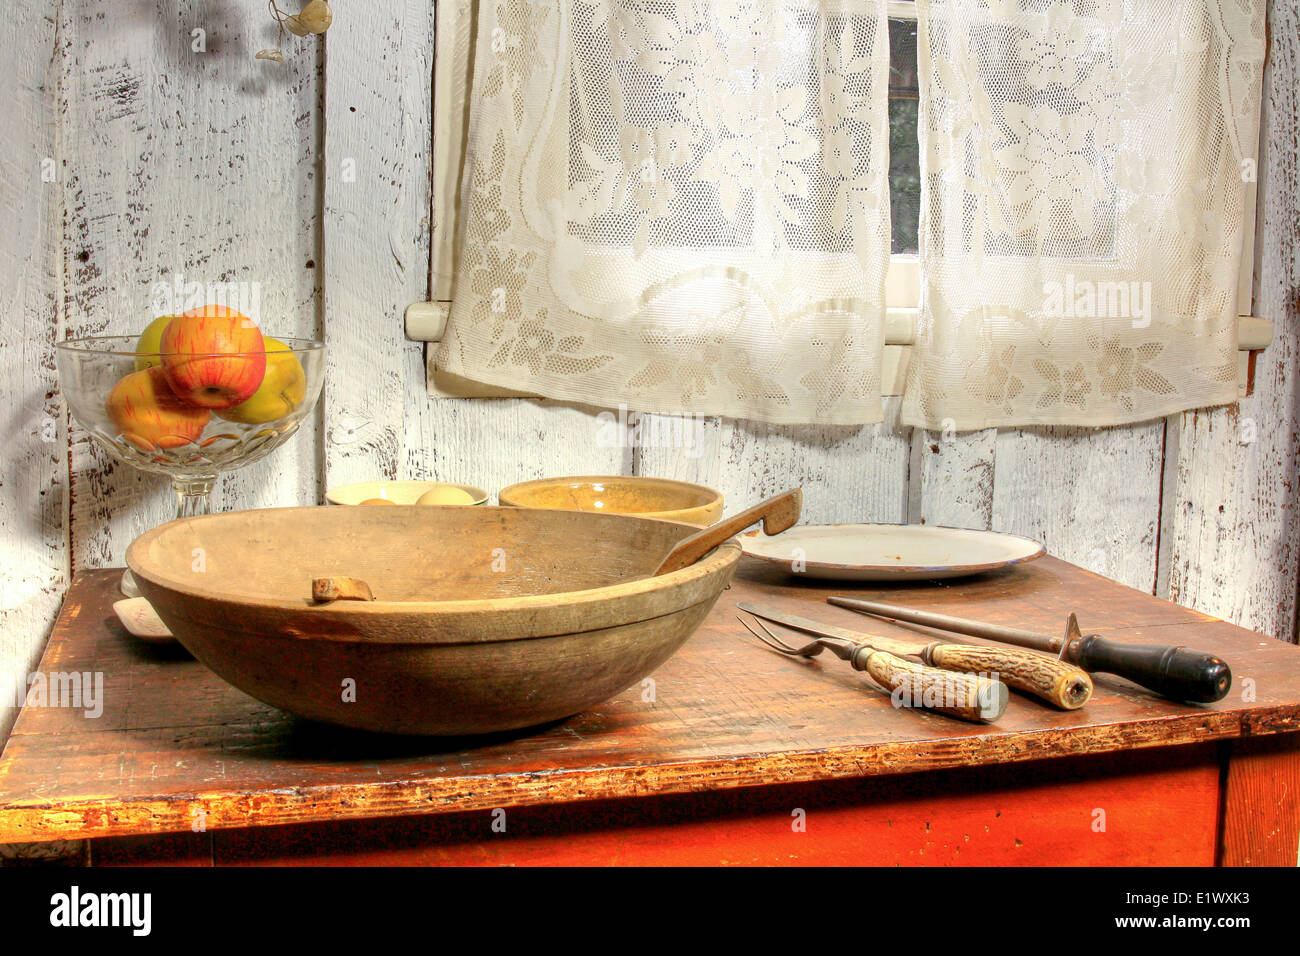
[[1081, 207], [680, 205]]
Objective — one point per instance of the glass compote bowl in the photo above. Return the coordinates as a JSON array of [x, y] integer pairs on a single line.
[[145, 424]]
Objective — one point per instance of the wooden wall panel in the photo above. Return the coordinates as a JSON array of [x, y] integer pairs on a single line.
[[33, 483], [494, 442], [187, 158], [380, 423], [1091, 495], [848, 473], [1235, 510], [697, 456], [378, 147], [951, 478]]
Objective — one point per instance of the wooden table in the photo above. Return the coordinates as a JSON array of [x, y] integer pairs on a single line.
[[733, 754]]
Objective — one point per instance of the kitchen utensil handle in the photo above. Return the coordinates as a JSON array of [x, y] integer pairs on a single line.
[[912, 684], [338, 588], [777, 514], [1058, 682], [1178, 673]]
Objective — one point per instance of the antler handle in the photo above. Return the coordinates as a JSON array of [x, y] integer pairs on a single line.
[[1059, 683], [911, 684]]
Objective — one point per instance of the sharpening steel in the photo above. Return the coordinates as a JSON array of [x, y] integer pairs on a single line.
[[1178, 673]]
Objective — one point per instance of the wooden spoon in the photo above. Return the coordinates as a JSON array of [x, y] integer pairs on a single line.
[[777, 515]]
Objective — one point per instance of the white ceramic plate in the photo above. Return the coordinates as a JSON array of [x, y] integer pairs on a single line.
[[889, 552]]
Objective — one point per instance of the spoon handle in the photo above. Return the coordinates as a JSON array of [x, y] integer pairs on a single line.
[[777, 514]]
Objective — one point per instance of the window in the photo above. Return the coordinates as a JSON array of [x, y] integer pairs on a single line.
[[456, 31], [904, 146]]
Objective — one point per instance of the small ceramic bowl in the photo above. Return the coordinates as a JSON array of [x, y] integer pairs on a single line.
[[620, 494], [398, 492]]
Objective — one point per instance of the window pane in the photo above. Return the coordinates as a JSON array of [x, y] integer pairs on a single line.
[[904, 147]]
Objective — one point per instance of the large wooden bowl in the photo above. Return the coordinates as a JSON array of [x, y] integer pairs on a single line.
[[620, 494], [485, 619]]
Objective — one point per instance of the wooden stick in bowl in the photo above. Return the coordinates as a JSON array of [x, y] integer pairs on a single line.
[[777, 514]]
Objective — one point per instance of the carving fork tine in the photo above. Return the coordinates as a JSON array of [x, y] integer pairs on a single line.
[[811, 649]]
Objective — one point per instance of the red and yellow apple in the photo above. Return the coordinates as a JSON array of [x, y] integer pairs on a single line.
[[283, 387], [144, 409], [213, 357]]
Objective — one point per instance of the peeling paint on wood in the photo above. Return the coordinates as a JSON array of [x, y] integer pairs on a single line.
[[33, 483], [493, 443], [1092, 496], [951, 478], [378, 144], [848, 473], [190, 163], [1236, 501]]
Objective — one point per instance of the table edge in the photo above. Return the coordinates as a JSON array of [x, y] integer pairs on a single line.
[[114, 816]]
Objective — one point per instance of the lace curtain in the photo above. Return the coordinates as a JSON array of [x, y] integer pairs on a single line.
[[1082, 190], [679, 205]]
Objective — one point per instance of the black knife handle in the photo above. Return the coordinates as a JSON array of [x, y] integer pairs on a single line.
[[1178, 673]]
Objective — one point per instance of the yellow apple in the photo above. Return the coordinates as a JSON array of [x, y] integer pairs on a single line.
[[445, 495], [149, 346], [283, 387]]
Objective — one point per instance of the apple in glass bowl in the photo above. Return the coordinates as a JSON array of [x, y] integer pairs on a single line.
[[207, 401], [213, 357]]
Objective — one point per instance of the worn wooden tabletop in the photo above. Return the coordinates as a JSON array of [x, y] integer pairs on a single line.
[[174, 742]]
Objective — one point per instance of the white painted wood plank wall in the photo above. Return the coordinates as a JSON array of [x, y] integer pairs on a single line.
[[378, 148], [187, 160], [33, 476], [311, 178], [1234, 514]]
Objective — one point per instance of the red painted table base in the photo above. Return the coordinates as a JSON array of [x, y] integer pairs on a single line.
[[1160, 807]]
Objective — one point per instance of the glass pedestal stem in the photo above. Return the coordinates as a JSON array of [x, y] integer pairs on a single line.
[[191, 501], [192, 496]]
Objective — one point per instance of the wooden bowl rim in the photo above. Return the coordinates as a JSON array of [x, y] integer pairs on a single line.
[[717, 560], [714, 496]]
